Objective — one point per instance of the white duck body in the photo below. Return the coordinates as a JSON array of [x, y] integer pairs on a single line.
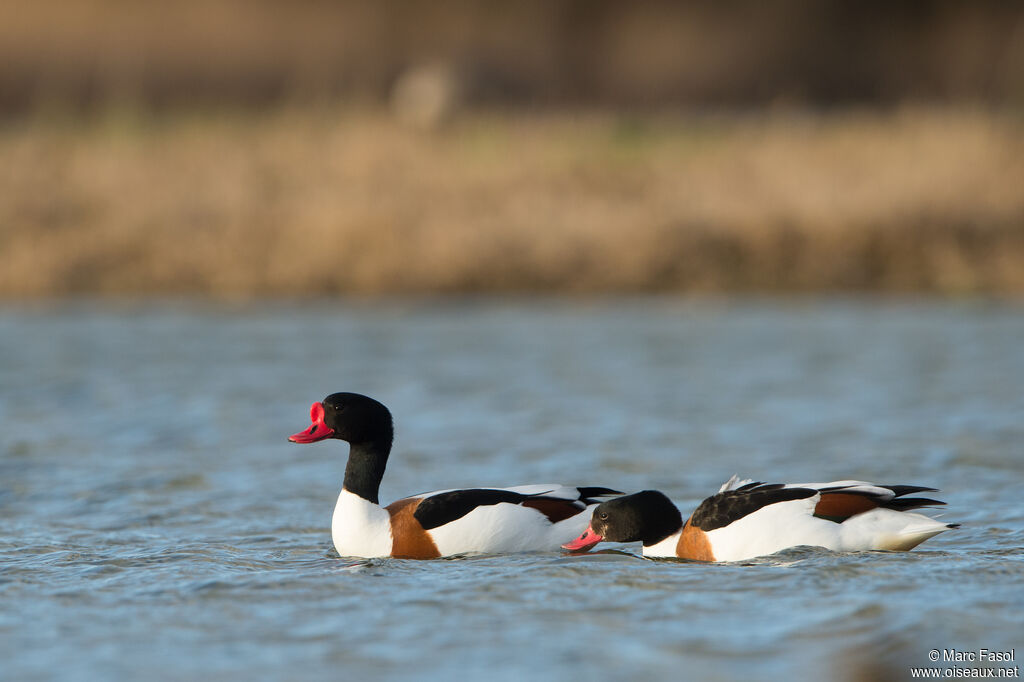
[[510, 528], [783, 525], [360, 528]]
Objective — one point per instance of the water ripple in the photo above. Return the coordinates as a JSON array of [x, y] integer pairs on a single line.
[[164, 529]]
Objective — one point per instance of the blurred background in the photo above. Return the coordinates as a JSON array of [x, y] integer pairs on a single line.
[[260, 147]]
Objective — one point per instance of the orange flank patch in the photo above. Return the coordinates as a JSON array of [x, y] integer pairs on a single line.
[[555, 510], [843, 505], [409, 540], [693, 544]]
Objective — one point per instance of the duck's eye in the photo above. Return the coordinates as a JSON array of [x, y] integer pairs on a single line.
[[604, 516]]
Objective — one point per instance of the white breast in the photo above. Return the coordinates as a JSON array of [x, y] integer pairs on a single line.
[[360, 527]]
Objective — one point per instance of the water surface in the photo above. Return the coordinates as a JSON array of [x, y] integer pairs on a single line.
[[155, 523]]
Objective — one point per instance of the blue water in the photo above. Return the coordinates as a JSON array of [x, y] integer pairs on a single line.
[[155, 523]]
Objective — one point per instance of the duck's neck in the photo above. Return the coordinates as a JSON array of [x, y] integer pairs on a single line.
[[365, 468], [664, 526], [663, 542]]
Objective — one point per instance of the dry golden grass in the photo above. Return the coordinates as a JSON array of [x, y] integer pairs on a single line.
[[344, 201]]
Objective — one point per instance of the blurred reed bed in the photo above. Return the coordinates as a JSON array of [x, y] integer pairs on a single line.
[[322, 201]]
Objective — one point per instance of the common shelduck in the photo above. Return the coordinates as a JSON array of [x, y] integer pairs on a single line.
[[750, 519], [441, 523]]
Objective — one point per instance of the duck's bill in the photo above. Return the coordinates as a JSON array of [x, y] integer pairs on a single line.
[[318, 430], [584, 542]]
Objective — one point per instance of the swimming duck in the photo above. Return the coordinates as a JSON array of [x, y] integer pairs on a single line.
[[441, 523], [746, 519]]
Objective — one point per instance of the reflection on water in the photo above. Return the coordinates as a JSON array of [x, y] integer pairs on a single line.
[[154, 521]]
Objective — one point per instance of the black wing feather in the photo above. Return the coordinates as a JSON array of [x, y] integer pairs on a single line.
[[897, 502], [907, 503], [588, 493], [748, 486], [443, 508], [900, 490], [725, 507]]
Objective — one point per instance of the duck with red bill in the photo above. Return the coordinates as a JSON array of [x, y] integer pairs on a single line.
[[584, 542], [318, 430]]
